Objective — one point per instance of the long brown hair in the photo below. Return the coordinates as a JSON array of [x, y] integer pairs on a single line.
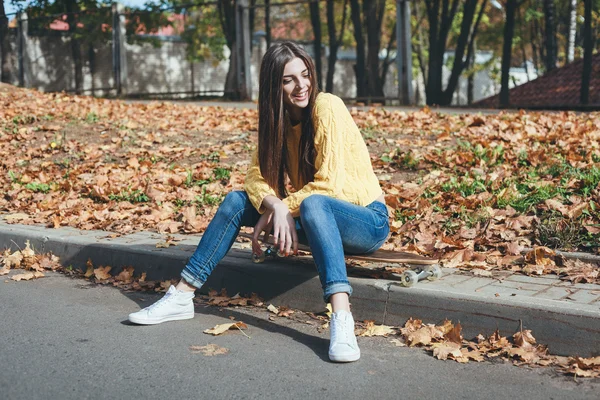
[[271, 117]]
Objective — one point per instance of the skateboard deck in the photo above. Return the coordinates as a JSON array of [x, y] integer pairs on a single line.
[[420, 267], [386, 256]]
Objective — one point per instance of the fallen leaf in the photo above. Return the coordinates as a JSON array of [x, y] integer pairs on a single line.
[[524, 339], [222, 328], [90, 269], [209, 350], [27, 276], [422, 336], [443, 350], [102, 273], [398, 343], [376, 330], [454, 335], [126, 275], [13, 260]]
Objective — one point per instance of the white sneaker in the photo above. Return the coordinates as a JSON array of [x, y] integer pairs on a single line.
[[175, 305], [343, 346]]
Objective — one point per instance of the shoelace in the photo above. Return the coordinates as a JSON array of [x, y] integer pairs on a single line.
[[160, 302], [339, 331]]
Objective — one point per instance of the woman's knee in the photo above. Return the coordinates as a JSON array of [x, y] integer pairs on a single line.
[[313, 206], [234, 202]]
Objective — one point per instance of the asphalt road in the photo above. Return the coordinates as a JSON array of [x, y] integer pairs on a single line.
[[64, 338]]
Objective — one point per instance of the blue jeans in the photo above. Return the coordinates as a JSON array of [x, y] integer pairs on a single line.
[[331, 227]]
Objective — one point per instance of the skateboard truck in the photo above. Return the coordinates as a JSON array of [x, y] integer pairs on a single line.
[[269, 252], [411, 276]]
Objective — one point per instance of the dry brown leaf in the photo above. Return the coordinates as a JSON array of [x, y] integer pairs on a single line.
[[524, 339], [13, 260], [222, 328], [443, 350], [102, 273], [376, 330], [126, 275], [27, 276], [398, 342], [421, 336], [454, 335], [209, 350], [90, 269]]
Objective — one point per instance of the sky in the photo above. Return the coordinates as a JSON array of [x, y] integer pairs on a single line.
[[130, 3]]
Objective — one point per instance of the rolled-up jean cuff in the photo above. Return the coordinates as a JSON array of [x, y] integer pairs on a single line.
[[189, 278], [336, 287]]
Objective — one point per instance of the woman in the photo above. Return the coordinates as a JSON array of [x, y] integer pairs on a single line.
[[337, 205]]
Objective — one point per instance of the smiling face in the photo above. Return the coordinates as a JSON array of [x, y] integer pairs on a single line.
[[296, 87]]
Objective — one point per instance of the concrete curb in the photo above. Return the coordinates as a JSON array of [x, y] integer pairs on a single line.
[[482, 305]]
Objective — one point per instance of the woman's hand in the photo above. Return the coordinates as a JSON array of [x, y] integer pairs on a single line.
[[264, 224], [278, 219], [284, 229]]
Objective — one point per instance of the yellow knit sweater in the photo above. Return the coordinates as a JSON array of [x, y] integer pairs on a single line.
[[343, 164]]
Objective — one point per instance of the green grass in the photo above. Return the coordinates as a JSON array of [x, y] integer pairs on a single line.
[[38, 187], [92, 118], [464, 186], [221, 174], [489, 155], [132, 196]]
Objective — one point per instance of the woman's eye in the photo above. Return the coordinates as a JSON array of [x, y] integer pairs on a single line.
[[286, 82]]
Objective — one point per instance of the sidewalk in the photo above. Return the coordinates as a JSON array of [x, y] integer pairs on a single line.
[[562, 315]]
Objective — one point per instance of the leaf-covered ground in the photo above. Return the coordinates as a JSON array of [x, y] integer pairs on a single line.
[[445, 340], [474, 190]]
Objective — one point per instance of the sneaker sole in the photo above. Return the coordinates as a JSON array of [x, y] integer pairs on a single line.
[[345, 358], [142, 321]]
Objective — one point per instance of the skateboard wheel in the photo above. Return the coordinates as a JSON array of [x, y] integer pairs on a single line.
[[409, 278], [435, 272], [256, 258]]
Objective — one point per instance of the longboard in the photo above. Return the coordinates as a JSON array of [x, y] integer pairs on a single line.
[[420, 267]]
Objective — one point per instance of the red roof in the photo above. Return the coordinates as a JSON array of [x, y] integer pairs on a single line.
[[558, 88]]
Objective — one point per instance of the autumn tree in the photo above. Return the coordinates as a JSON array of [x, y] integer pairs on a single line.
[[511, 7], [550, 34], [315, 20], [440, 15], [587, 55], [85, 20], [335, 40], [370, 73], [4, 45]]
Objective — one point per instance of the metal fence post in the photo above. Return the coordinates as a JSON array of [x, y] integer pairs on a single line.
[[118, 49], [242, 17], [404, 53], [22, 42]]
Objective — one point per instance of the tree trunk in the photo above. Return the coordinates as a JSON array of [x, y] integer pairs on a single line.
[[571, 30], [231, 81], [587, 53], [72, 8], [509, 30], [4, 46], [359, 68], [467, 34], [439, 28], [315, 20], [334, 42], [437, 48], [471, 78], [550, 22], [418, 47], [373, 12], [227, 17]]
